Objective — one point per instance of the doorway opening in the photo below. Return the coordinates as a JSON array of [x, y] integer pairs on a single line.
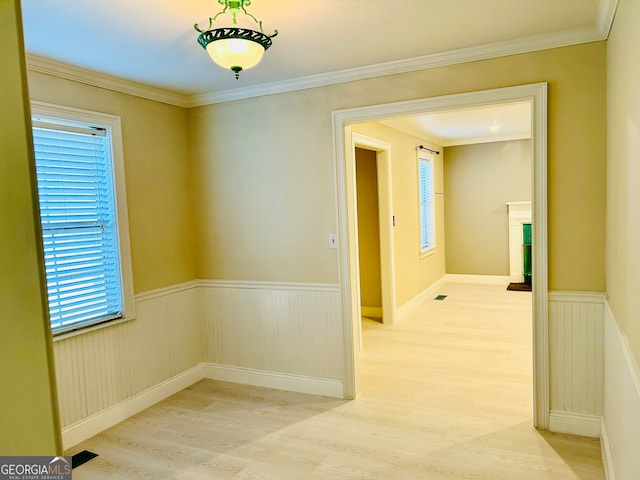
[[368, 234], [343, 120], [380, 157]]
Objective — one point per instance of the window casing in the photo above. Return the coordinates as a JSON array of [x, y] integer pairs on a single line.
[[426, 204], [80, 179]]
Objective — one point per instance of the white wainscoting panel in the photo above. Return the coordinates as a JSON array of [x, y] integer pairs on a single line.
[[275, 335], [285, 328], [620, 443], [101, 368], [576, 362]]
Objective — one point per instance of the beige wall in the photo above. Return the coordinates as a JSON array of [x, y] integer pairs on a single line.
[[28, 406], [157, 176], [265, 196], [368, 228], [478, 181], [623, 171], [412, 273]]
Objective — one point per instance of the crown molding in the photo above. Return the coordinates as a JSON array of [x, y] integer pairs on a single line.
[[606, 14], [54, 68], [480, 52]]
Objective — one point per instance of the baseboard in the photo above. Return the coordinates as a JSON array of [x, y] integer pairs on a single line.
[[375, 312], [605, 448], [281, 381], [430, 291], [478, 279], [107, 418], [575, 424]]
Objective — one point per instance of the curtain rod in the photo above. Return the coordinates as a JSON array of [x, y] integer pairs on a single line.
[[422, 147]]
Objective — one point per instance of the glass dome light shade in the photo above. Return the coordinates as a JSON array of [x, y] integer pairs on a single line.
[[235, 52], [235, 48]]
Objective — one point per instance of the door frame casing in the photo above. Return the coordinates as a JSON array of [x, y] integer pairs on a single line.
[[385, 216], [344, 166]]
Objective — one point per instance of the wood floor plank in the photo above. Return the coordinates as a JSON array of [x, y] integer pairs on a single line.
[[446, 394]]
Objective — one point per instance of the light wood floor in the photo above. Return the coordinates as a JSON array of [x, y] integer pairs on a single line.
[[446, 394]]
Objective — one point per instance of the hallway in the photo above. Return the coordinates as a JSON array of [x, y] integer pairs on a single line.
[[457, 375]]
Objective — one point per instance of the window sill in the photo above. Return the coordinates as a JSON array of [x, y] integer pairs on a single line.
[[427, 253], [92, 328]]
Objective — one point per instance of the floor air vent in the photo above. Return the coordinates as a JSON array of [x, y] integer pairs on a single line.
[[82, 457], [440, 297]]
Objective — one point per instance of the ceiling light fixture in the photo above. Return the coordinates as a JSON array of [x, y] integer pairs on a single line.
[[234, 47], [495, 128]]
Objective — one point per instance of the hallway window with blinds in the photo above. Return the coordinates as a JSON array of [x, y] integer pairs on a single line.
[[425, 189], [78, 213]]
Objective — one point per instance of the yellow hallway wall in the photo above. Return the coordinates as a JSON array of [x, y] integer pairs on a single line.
[[158, 177], [623, 171], [264, 168], [29, 423], [412, 273], [368, 228]]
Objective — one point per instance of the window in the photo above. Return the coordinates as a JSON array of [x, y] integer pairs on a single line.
[[425, 187], [87, 281]]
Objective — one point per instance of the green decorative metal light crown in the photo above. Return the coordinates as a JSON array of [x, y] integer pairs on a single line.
[[234, 47]]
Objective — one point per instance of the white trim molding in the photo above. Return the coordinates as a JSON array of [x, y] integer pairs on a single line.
[[453, 57], [600, 31], [99, 422], [536, 94], [280, 381], [606, 14], [107, 418], [250, 285], [85, 76], [575, 424], [576, 297], [164, 291], [385, 215], [605, 448]]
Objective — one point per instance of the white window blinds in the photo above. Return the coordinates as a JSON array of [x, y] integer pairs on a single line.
[[79, 225], [425, 186]]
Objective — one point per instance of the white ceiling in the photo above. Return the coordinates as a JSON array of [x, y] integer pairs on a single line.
[[153, 41], [492, 123]]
